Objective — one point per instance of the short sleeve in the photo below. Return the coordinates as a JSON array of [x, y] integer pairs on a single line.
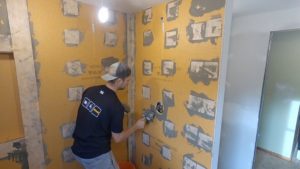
[[117, 112]]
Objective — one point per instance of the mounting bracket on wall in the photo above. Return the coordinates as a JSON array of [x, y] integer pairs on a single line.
[[149, 115]]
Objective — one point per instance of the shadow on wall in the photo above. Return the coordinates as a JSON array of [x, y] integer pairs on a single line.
[[18, 155]]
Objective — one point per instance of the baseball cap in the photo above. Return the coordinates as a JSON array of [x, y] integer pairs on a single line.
[[116, 70]]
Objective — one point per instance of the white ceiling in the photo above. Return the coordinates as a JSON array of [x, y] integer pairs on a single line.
[[128, 6], [240, 7]]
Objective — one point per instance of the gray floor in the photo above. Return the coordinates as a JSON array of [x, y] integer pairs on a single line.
[[264, 160]]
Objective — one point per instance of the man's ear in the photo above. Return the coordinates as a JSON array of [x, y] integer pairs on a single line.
[[119, 80]]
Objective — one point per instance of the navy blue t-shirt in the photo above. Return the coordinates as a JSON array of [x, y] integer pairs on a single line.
[[99, 114]]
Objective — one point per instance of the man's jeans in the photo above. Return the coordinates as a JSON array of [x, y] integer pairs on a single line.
[[104, 161]]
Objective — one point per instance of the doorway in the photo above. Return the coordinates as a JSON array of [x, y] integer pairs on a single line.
[[278, 129], [11, 126]]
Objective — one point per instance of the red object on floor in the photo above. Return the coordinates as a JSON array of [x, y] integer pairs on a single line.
[[126, 165]]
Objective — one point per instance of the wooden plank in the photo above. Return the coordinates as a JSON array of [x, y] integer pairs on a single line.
[[28, 91], [5, 46], [130, 28]]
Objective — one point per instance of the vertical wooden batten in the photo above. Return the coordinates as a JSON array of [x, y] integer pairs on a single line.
[[23, 54], [130, 28]]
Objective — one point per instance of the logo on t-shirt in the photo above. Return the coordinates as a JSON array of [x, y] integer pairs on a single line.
[[91, 107]]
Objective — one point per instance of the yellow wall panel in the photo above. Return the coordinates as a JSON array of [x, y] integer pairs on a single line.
[[49, 24], [183, 152], [11, 126]]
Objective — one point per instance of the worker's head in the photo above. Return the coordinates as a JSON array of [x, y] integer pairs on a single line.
[[118, 74]]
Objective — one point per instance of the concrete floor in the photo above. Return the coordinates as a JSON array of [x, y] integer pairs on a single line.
[[264, 160]]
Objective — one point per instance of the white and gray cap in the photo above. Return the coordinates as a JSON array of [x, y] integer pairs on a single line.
[[116, 70]]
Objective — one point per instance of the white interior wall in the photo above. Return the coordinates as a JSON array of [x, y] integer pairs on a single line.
[[246, 66]]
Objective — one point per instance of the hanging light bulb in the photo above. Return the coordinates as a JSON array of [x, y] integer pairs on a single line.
[[103, 14]]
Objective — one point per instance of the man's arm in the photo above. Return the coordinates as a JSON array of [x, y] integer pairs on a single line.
[[118, 137]]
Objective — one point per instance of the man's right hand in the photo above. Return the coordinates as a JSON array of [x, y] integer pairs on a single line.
[[118, 137], [140, 124]]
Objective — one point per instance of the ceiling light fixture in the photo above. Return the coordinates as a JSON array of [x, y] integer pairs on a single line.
[[103, 13]]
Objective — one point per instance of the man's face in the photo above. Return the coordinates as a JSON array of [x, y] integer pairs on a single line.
[[122, 84]]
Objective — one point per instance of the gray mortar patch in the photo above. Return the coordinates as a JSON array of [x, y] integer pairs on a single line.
[[147, 67], [110, 39], [171, 38], [37, 68], [148, 38], [75, 34], [67, 155], [67, 130], [168, 101], [166, 152], [201, 105], [213, 29], [147, 16], [168, 67], [147, 159], [75, 68], [204, 71], [34, 41], [72, 14], [169, 129], [47, 160], [196, 32], [172, 10], [197, 137], [75, 93], [168, 98], [188, 162], [201, 7]]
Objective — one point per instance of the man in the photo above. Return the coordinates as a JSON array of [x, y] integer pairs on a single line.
[[100, 118]]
